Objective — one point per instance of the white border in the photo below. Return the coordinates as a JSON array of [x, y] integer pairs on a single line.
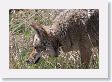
[[102, 72]]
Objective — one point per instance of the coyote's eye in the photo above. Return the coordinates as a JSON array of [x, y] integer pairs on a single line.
[[43, 46]]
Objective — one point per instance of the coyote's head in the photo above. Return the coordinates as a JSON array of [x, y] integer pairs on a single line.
[[41, 44]]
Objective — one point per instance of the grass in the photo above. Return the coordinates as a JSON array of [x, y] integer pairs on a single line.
[[21, 39]]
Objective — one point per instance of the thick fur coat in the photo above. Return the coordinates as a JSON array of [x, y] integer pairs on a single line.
[[72, 30]]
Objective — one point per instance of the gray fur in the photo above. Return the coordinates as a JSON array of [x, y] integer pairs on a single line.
[[71, 30]]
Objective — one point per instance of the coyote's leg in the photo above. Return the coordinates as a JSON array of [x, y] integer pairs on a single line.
[[85, 54], [85, 50]]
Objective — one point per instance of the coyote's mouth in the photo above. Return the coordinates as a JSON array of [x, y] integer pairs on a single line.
[[34, 57]]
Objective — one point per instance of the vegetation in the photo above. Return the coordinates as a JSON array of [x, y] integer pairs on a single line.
[[21, 39]]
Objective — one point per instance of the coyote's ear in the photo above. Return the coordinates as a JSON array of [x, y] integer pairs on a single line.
[[37, 27]]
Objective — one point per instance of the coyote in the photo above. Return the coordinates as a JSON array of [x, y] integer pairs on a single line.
[[73, 29]]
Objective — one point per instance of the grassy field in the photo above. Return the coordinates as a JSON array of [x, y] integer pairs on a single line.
[[21, 39]]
